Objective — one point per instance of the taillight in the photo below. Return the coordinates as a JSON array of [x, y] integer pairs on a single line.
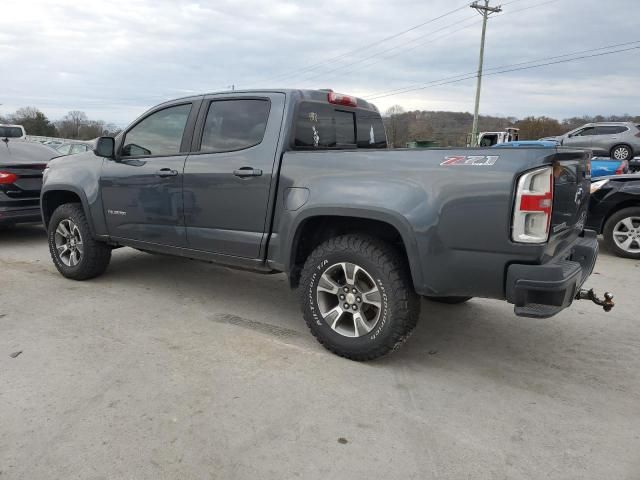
[[534, 202], [622, 168], [340, 99], [7, 178]]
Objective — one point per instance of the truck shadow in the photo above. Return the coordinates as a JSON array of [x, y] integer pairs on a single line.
[[482, 338]]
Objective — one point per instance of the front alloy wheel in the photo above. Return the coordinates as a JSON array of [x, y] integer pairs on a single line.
[[626, 234], [622, 232], [74, 251], [68, 241]]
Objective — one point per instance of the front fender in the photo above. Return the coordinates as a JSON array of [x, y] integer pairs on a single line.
[[80, 175]]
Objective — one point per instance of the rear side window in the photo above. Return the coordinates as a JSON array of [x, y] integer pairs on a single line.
[[324, 126], [158, 134], [234, 125], [610, 129]]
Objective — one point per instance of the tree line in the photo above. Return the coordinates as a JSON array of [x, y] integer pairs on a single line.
[[74, 125], [453, 128]]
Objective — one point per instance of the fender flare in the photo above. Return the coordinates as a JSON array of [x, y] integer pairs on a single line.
[[395, 220], [66, 188]]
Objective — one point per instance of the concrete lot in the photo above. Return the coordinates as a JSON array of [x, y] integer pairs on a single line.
[[172, 369]]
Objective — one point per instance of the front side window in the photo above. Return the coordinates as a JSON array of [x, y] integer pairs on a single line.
[[585, 132], [234, 125], [158, 134]]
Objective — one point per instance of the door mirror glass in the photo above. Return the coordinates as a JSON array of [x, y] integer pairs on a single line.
[[105, 147]]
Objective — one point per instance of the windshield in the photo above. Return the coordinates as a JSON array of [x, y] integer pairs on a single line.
[[10, 132]]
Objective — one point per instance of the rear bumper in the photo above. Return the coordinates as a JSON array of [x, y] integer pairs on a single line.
[[20, 215], [541, 291]]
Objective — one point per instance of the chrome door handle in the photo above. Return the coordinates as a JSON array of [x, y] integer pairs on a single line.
[[247, 172], [166, 172]]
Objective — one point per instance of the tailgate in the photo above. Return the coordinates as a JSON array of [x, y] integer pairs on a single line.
[[572, 183]]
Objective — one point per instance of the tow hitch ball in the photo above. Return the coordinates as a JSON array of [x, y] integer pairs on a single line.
[[607, 304]]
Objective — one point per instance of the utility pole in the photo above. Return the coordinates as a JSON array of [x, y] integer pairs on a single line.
[[484, 10]]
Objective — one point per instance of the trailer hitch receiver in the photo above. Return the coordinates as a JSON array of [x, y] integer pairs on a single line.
[[606, 304]]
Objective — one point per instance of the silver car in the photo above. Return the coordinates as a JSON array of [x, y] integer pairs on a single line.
[[618, 140]]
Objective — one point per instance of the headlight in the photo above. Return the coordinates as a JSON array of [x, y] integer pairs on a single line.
[[595, 186]]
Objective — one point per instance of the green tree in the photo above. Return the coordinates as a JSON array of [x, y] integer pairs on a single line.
[[34, 122]]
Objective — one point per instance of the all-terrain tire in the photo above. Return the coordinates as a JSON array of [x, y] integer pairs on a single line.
[[610, 225], [449, 300], [386, 272], [95, 256]]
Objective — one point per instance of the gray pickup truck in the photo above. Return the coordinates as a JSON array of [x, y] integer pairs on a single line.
[[301, 181]]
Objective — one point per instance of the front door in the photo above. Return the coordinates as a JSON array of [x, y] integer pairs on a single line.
[[142, 188], [228, 177], [580, 138]]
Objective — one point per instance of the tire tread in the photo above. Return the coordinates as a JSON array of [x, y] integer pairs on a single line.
[[96, 256]]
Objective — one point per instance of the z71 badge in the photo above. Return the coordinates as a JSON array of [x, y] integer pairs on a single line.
[[475, 160]]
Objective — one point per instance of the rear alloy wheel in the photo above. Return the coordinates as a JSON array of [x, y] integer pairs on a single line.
[[75, 253], [622, 232], [621, 152], [357, 297]]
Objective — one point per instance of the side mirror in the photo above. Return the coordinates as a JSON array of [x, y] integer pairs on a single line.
[[105, 147]]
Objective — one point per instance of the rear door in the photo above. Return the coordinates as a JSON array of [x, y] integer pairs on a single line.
[[227, 179], [605, 137], [142, 189]]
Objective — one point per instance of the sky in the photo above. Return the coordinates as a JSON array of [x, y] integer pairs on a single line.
[[116, 59]]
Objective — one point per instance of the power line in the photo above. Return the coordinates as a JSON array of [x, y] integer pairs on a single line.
[[358, 49], [434, 84], [399, 46], [384, 51], [400, 90]]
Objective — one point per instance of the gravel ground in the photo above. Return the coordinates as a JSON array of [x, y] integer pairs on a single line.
[[167, 368]]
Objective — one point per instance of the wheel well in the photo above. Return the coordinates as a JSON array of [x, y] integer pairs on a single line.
[[313, 231], [53, 199], [617, 208]]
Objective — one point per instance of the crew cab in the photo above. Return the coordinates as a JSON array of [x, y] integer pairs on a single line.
[[302, 182]]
